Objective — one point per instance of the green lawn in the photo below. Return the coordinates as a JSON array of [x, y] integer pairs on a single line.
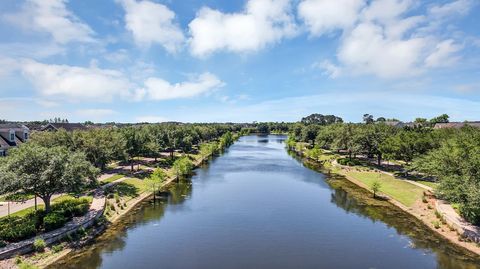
[[131, 187], [404, 192], [113, 178], [25, 211], [428, 183]]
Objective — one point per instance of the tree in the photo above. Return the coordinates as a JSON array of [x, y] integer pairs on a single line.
[[381, 119], [45, 171], [321, 119], [309, 133], [99, 145], [133, 143], [455, 164], [263, 128], [440, 119], [155, 181], [182, 167], [375, 187], [367, 118]]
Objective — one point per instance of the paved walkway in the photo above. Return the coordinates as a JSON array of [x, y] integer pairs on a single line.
[[17, 206], [456, 221]]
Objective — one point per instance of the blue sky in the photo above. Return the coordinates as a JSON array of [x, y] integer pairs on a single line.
[[239, 61]]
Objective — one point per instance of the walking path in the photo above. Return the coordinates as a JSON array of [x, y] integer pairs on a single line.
[[18, 206], [96, 210]]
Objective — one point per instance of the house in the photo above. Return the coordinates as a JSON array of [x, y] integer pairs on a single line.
[[457, 125], [66, 126], [12, 135]]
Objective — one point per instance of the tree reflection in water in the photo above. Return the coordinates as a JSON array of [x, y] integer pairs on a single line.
[[113, 239]]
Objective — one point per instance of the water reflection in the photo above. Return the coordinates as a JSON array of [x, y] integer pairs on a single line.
[[258, 207]]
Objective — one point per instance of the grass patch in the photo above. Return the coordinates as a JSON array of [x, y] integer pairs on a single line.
[[404, 192], [28, 210], [113, 178], [428, 183]]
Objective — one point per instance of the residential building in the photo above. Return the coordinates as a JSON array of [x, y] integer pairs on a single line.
[[12, 135]]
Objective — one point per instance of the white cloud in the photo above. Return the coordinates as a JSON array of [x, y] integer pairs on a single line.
[[52, 17], [450, 9], [366, 50], [324, 16], [75, 82], [329, 69], [381, 39], [151, 119], [442, 55], [263, 22], [150, 22], [160, 89]]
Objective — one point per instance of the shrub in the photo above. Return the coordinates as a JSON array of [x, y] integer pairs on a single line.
[[39, 244], [2, 243], [436, 224], [71, 207], [54, 221], [14, 229], [349, 162], [57, 248]]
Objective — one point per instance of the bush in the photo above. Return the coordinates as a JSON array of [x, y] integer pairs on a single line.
[[72, 207], [54, 221], [39, 244], [14, 229], [2, 243], [57, 248], [349, 162]]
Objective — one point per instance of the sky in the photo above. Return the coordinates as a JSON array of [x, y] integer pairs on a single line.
[[238, 61]]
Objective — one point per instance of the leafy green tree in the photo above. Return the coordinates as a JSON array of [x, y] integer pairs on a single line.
[[320, 119], [263, 128], [99, 145], [455, 164], [45, 171], [375, 187], [182, 167], [309, 133], [155, 181], [440, 119], [367, 118]]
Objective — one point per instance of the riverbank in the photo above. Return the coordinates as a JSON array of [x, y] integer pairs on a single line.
[[50, 257], [423, 206]]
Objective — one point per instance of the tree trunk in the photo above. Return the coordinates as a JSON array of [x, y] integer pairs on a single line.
[[131, 164], [379, 159], [46, 201]]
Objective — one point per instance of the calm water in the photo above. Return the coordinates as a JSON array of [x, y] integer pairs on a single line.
[[258, 207]]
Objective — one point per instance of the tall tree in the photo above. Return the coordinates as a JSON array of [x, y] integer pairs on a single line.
[[45, 171]]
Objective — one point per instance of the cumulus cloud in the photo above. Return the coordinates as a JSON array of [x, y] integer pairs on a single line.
[[454, 8], [75, 82], [380, 38], [262, 22], [443, 54], [367, 50], [160, 89], [323, 16], [52, 17], [152, 23]]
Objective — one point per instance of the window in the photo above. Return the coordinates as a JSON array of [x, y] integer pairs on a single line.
[[25, 136], [2, 153], [12, 137]]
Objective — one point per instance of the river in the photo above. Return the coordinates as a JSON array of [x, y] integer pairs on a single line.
[[256, 206]]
